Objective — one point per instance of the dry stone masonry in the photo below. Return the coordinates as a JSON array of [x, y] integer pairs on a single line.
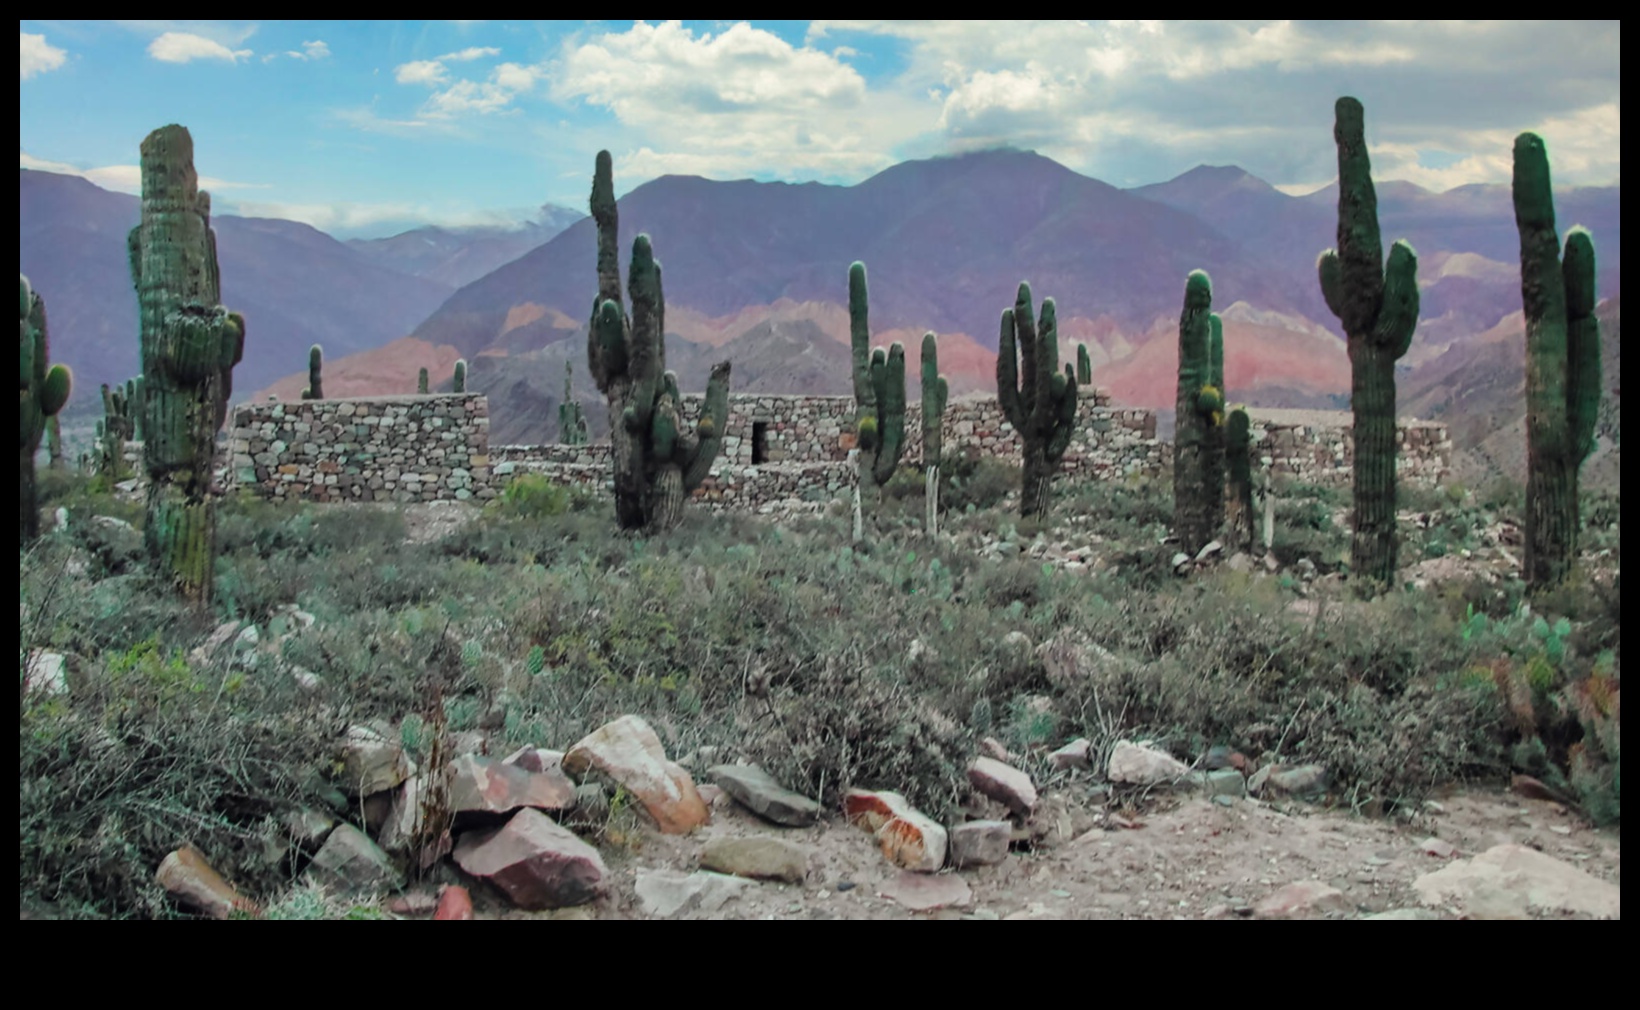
[[782, 454]]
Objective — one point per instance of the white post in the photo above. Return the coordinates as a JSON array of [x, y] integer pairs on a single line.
[[859, 522], [931, 495], [1269, 518]]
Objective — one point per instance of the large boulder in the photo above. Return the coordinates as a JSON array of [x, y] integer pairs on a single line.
[[908, 838], [538, 863], [629, 754]]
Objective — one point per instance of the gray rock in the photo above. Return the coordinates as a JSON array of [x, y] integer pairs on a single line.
[[1510, 881], [758, 791], [1076, 754], [1143, 765], [1003, 783], [371, 763], [761, 857], [1404, 913], [350, 862], [665, 894], [980, 843]]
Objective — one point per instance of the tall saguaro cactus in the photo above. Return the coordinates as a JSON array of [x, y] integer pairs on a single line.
[[1198, 455], [935, 392], [1377, 304], [657, 460], [1239, 453], [190, 345], [42, 389], [879, 388], [316, 362], [1036, 398], [1562, 367]]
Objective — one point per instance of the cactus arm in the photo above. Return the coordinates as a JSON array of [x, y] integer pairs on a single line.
[[1398, 313], [859, 333], [1330, 271], [1008, 373], [421, 382], [458, 382], [1583, 378], [888, 380], [646, 351], [709, 430]]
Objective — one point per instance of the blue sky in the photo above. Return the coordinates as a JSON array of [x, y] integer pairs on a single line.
[[365, 128]]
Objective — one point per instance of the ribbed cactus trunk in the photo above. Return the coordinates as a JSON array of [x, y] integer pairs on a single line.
[[42, 389], [1198, 475], [935, 392], [1239, 466], [1084, 367], [458, 382], [1214, 461], [1035, 397], [1377, 304], [1562, 367], [658, 462], [316, 363], [190, 345], [421, 382]]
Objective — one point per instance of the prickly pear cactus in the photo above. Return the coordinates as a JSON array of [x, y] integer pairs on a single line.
[[1562, 367], [42, 390], [1377, 304]]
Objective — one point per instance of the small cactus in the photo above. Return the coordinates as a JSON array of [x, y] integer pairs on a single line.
[[1084, 367], [1239, 453], [459, 382], [315, 388], [572, 421], [42, 389], [935, 391], [421, 382]]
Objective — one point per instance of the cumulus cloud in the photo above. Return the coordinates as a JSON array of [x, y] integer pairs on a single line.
[[121, 178], [185, 47], [37, 56], [315, 50], [352, 219], [470, 53], [421, 72]]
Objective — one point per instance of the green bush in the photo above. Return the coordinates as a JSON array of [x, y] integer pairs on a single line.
[[532, 496]]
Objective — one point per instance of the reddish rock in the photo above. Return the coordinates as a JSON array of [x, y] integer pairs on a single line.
[[629, 753], [537, 863], [454, 903], [1003, 783], [908, 839], [1440, 848], [481, 785], [1076, 754], [991, 747], [871, 810], [1532, 789], [924, 892], [536, 759], [1306, 897], [187, 877]]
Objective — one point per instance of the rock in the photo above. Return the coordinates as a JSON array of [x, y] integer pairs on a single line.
[[924, 892], [1076, 754], [1070, 659], [188, 878], [629, 753], [1509, 881], [1296, 780], [371, 763], [47, 672], [757, 790], [1180, 563], [1240, 561], [1306, 897], [403, 824], [538, 760], [1210, 549], [993, 748], [1271, 565], [454, 903], [1440, 848], [1222, 782], [1532, 789], [1003, 783], [980, 843], [1142, 765], [908, 838], [1221, 756], [1016, 647], [481, 785], [350, 862], [761, 857], [664, 894], [416, 902], [537, 863], [307, 827], [1404, 913]]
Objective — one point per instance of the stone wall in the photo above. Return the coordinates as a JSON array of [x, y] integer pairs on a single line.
[[401, 448], [789, 451]]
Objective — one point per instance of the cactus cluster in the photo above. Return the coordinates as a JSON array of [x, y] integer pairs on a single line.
[[1377, 304], [316, 362], [1036, 398], [190, 345], [121, 423], [572, 421], [879, 388], [42, 390], [657, 459], [1562, 367], [1198, 445]]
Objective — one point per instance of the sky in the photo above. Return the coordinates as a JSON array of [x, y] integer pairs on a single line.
[[366, 128]]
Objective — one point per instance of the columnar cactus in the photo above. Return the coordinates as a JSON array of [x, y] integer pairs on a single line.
[[190, 345], [136, 395], [935, 392], [115, 429], [316, 362], [888, 390], [1214, 459], [1239, 450], [572, 421], [54, 441], [458, 384], [1084, 367], [657, 460], [1562, 367], [1377, 304], [1198, 453], [1036, 398], [421, 382], [42, 389], [879, 425]]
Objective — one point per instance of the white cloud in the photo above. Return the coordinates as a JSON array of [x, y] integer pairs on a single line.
[[37, 56], [315, 50], [373, 218], [185, 47], [421, 72], [121, 178], [470, 53]]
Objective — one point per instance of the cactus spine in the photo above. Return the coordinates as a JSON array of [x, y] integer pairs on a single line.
[[42, 390], [316, 361], [190, 345], [657, 460], [935, 392], [421, 382], [1562, 367], [1036, 398], [458, 384], [1377, 304], [572, 421], [1198, 456]]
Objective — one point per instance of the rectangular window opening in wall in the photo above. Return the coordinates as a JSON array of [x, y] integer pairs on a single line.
[[760, 442]]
